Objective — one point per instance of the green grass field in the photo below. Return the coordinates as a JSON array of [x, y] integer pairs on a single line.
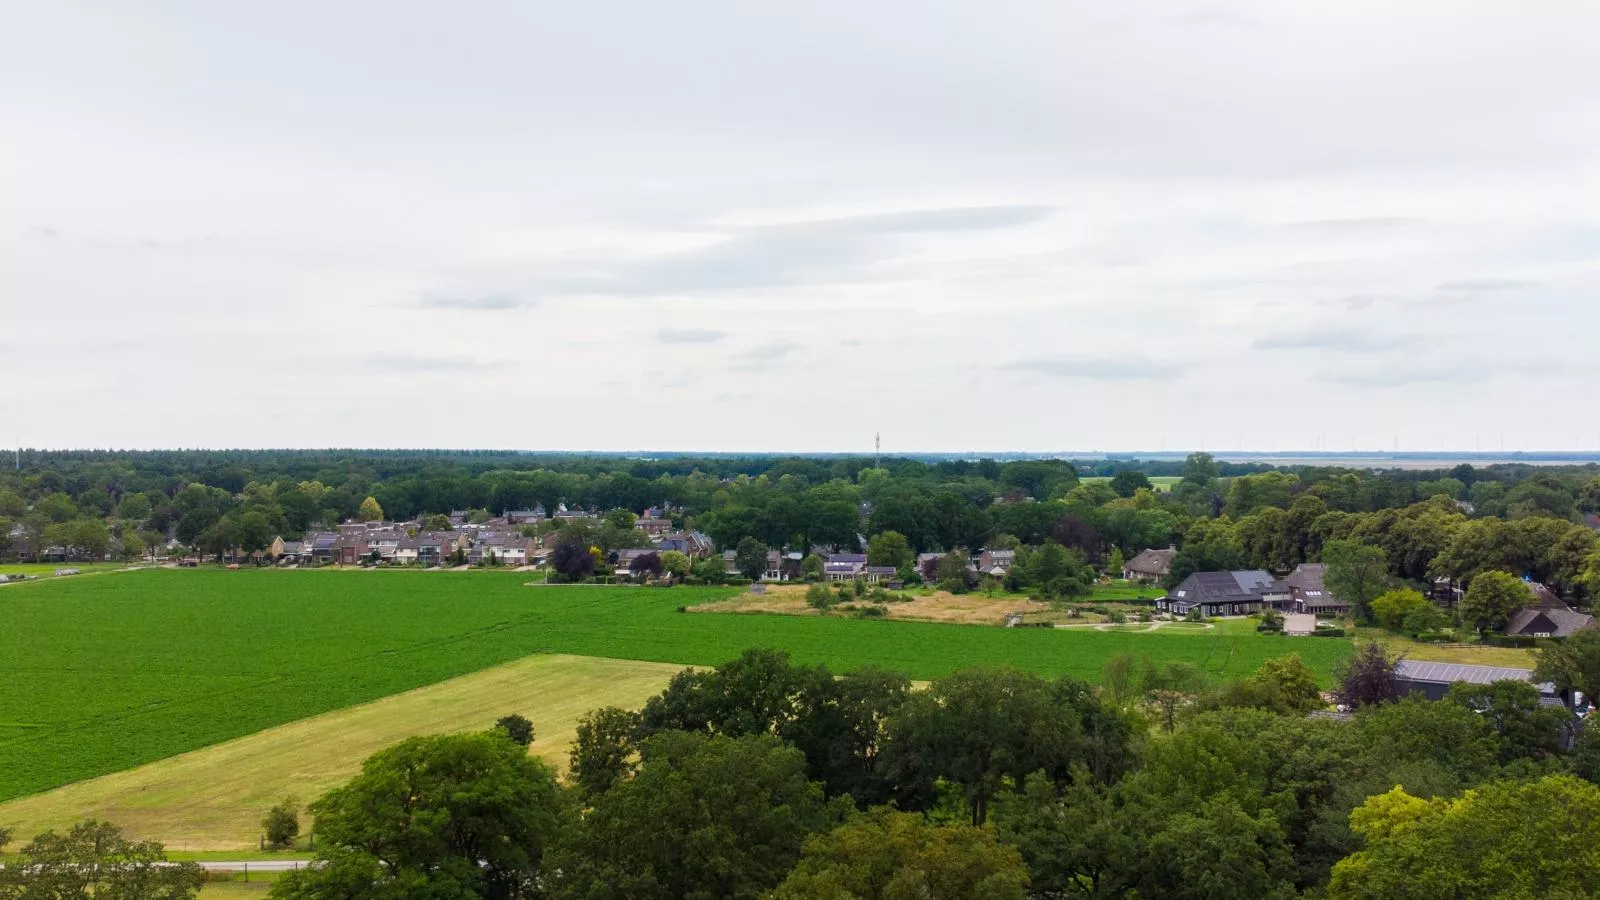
[[214, 798], [1162, 483], [99, 675]]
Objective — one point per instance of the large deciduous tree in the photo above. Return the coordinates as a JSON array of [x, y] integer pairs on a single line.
[[1491, 600], [572, 556], [836, 722], [889, 548], [94, 860], [370, 511], [986, 730], [439, 816], [1504, 839], [888, 855], [705, 816], [1128, 481], [750, 558], [604, 750], [1356, 575]]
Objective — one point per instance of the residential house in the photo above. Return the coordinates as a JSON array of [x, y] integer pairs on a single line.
[[1308, 594], [1433, 679], [1548, 621], [350, 549], [844, 566], [653, 526], [436, 547], [320, 547], [693, 544], [1149, 565], [406, 552], [776, 571], [507, 548], [623, 559], [1543, 596], [1225, 594], [996, 562], [291, 552], [876, 574], [271, 553], [523, 516]]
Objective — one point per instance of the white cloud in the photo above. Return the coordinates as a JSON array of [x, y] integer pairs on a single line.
[[884, 211]]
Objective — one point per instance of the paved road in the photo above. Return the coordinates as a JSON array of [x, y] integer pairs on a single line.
[[255, 865]]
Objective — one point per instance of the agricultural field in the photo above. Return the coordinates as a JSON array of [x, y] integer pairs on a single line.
[[214, 798], [1162, 483], [102, 674]]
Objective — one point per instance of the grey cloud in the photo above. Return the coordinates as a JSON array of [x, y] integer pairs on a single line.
[[1214, 17], [690, 335], [803, 252], [1367, 223], [410, 363], [956, 218], [681, 379], [1101, 369], [1348, 341], [1482, 285], [763, 357], [483, 302], [1401, 374], [1358, 301]]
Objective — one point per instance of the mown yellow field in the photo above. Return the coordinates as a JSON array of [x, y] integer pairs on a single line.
[[214, 798]]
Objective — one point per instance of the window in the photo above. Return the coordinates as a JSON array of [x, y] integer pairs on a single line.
[[1182, 593]]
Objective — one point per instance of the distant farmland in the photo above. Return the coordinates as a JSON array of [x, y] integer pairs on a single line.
[[1162, 483], [101, 674]]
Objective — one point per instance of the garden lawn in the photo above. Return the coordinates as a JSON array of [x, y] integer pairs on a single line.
[[98, 675]]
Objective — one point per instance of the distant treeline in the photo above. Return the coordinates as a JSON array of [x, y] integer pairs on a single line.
[[1522, 519]]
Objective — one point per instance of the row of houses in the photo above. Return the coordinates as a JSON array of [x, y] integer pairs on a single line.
[[397, 547], [1304, 591], [499, 540]]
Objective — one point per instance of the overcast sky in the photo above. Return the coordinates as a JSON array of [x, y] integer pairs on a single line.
[[754, 226]]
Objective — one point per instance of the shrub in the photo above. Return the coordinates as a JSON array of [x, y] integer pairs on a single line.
[[1116, 618], [819, 597], [1392, 609], [517, 728], [282, 824]]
